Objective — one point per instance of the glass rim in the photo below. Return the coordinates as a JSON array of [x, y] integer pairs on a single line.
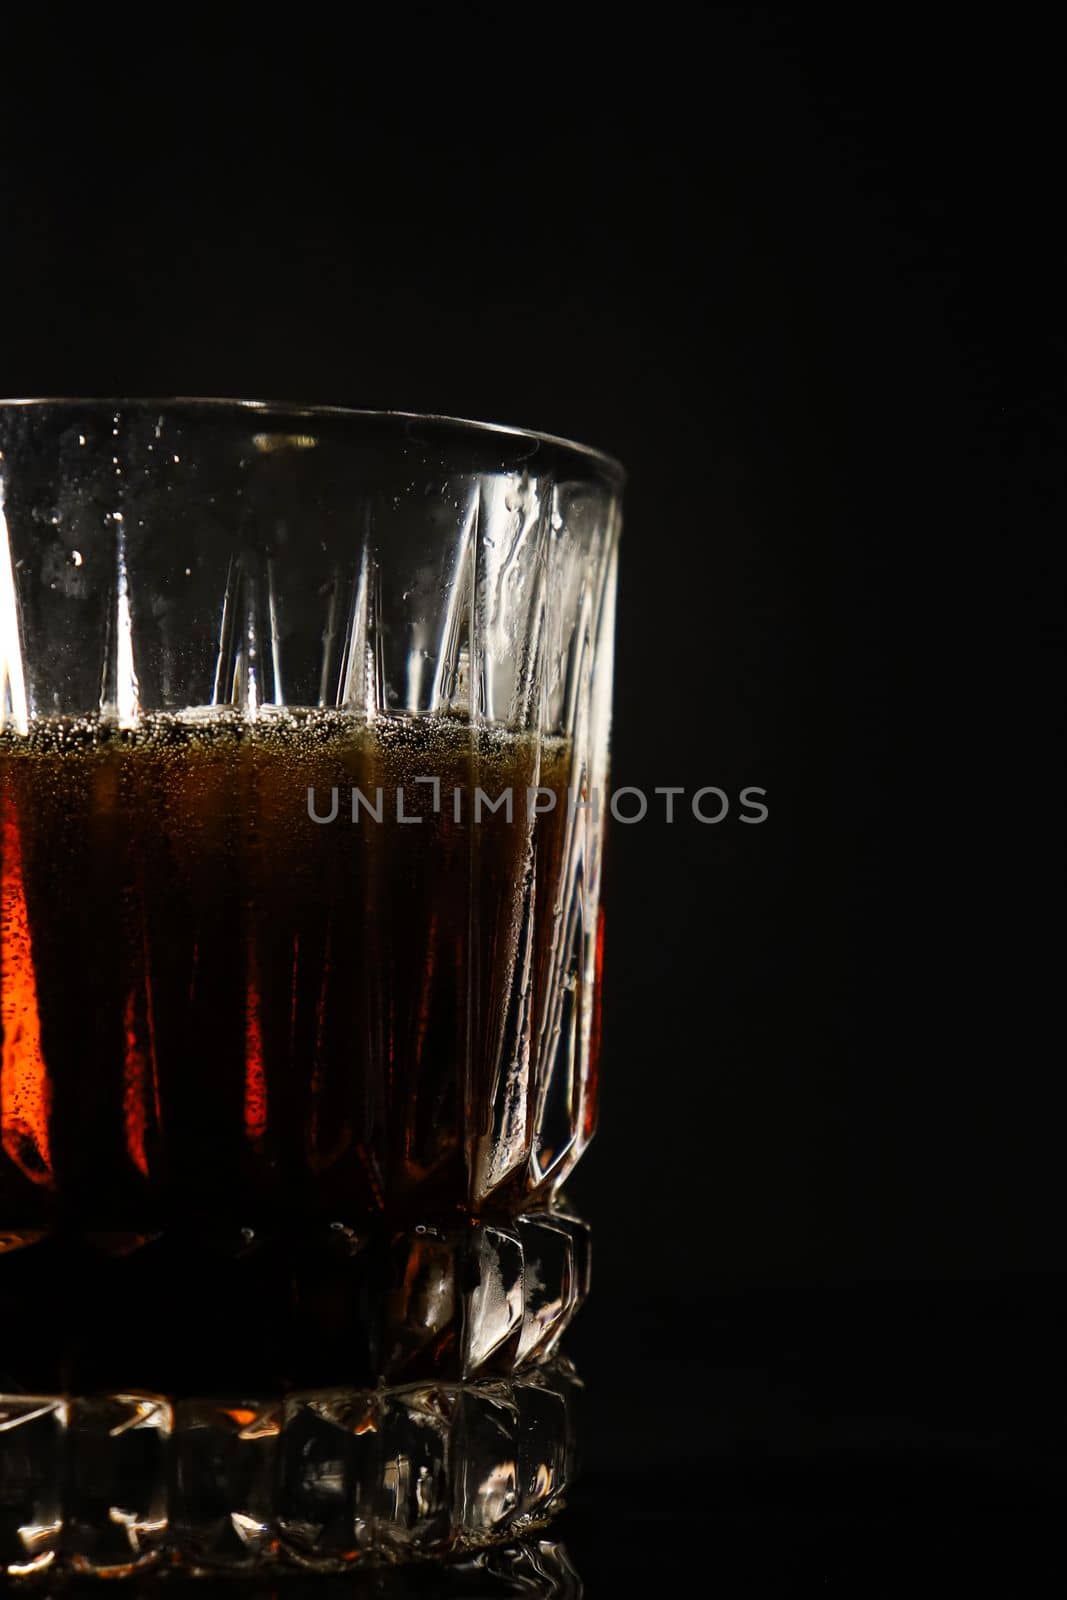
[[609, 465]]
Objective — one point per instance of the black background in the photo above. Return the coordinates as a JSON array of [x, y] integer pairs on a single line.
[[800, 273]]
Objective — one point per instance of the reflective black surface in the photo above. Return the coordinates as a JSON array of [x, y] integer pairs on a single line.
[[865, 1439]]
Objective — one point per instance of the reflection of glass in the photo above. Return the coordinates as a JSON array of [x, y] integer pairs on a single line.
[[303, 734]]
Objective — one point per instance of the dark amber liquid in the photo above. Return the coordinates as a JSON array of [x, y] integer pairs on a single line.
[[217, 1010]]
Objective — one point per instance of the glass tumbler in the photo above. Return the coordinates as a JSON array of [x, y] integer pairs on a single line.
[[304, 724]]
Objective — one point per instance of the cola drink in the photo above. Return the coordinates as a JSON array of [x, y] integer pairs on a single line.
[[258, 969]]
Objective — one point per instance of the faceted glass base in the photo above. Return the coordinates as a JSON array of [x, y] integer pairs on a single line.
[[325, 1480], [183, 1312]]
